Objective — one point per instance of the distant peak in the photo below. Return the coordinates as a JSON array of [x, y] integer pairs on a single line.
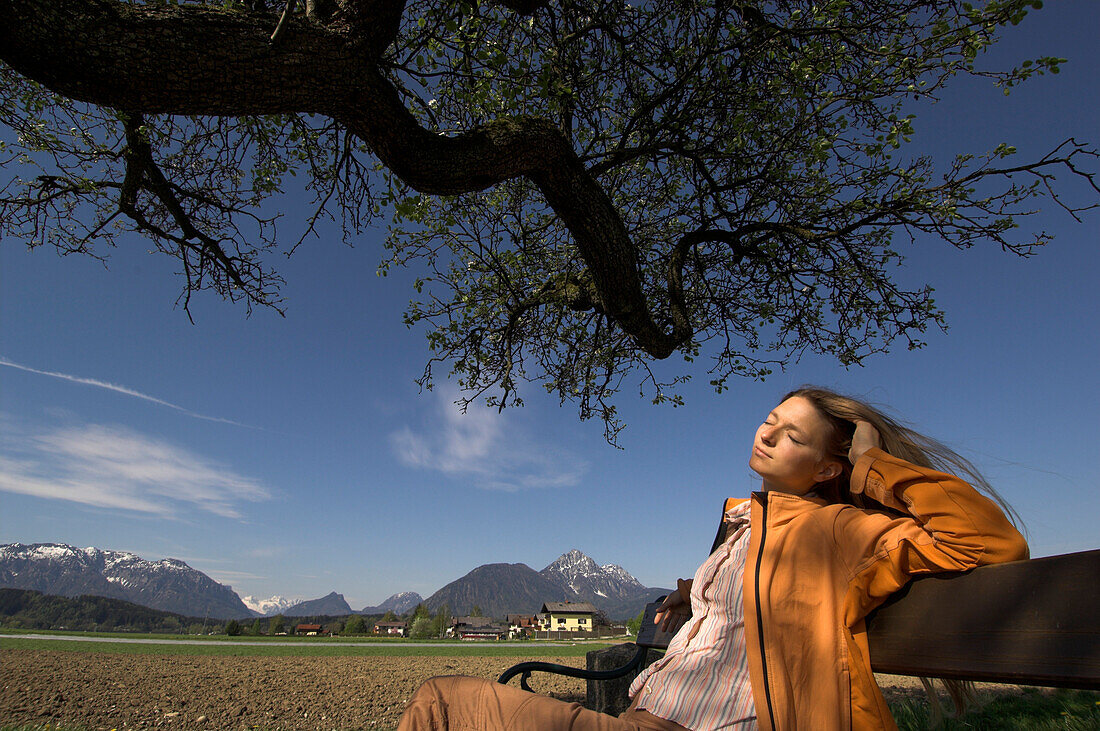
[[571, 557]]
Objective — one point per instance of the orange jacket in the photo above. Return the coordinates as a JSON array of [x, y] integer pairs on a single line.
[[814, 570]]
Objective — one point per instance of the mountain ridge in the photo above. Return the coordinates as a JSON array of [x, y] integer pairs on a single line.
[[400, 603], [173, 586], [499, 589], [168, 585], [330, 605]]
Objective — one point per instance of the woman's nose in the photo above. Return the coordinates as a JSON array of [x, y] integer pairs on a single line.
[[766, 435]]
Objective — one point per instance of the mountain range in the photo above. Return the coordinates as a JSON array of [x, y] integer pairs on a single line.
[[171, 585], [271, 606]]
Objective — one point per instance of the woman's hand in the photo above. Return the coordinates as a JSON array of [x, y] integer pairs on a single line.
[[865, 437], [672, 613]]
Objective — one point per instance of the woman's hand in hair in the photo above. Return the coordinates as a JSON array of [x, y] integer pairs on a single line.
[[865, 437]]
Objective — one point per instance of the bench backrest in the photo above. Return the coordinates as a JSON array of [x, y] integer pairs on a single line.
[[1035, 622], [1032, 622]]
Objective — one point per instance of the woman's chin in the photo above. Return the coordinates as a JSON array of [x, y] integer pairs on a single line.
[[756, 463]]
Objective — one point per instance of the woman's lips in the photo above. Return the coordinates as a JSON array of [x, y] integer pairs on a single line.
[[760, 452]]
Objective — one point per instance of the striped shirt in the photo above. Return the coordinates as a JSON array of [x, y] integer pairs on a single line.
[[702, 682]]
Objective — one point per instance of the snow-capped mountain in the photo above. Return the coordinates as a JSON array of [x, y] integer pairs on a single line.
[[588, 579], [400, 603], [169, 584], [272, 606], [499, 589]]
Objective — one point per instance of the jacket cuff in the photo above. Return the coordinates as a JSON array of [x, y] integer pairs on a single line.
[[868, 481]]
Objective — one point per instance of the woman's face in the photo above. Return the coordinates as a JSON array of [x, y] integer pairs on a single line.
[[789, 449]]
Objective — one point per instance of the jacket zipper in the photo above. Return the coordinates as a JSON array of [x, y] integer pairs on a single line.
[[763, 498]]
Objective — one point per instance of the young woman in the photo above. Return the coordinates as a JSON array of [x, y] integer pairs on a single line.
[[771, 630]]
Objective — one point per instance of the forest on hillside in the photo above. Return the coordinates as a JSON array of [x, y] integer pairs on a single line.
[[33, 610]]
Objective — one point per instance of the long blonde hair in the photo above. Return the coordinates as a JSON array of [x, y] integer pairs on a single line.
[[843, 411], [900, 441]]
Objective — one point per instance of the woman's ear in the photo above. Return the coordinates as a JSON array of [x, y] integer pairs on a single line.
[[828, 471]]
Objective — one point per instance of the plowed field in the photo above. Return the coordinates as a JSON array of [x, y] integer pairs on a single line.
[[85, 690]]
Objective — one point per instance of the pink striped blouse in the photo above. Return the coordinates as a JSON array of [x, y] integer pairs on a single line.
[[702, 682]]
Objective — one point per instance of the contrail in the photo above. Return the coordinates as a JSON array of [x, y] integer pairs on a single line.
[[121, 389]]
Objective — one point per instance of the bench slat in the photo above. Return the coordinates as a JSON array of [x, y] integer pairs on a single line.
[[1035, 622]]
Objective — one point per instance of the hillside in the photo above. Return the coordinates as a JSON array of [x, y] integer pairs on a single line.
[[169, 585], [28, 609], [499, 589], [333, 605]]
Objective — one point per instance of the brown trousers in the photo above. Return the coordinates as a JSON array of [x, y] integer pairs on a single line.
[[459, 703]]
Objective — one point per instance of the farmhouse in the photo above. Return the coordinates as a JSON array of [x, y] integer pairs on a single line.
[[310, 630], [568, 616], [399, 629], [521, 624], [476, 628], [484, 632]]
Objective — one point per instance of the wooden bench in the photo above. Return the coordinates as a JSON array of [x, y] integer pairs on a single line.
[[1033, 622]]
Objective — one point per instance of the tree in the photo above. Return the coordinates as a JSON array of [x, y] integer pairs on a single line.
[[442, 621], [633, 626], [421, 628], [578, 210], [475, 611], [421, 610], [355, 625], [278, 623], [257, 629], [232, 628]]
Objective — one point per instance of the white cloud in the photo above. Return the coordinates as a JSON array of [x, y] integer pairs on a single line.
[[115, 467], [481, 445]]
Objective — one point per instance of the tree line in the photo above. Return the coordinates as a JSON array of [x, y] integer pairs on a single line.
[[26, 609], [33, 610]]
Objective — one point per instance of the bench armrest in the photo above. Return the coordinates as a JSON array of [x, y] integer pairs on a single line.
[[649, 637]]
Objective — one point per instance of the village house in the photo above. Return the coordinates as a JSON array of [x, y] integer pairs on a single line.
[[520, 625], [568, 616], [485, 632], [400, 629], [476, 628], [309, 630]]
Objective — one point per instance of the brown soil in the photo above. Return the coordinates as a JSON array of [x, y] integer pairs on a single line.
[[84, 690]]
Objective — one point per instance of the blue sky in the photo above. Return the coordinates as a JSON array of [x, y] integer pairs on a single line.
[[295, 455]]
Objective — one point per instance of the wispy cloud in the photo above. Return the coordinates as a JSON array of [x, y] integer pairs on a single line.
[[483, 446], [114, 467], [119, 389]]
